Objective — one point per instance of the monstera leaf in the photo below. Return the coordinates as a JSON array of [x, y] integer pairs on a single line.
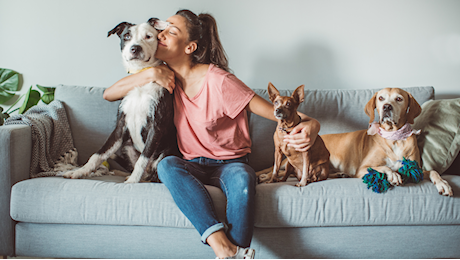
[[9, 81], [32, 98], [48, 93]]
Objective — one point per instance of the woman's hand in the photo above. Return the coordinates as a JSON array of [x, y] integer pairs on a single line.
[[303, 136], [164, 77]]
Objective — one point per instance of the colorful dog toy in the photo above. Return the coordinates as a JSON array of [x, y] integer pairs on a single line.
[[410, 172]]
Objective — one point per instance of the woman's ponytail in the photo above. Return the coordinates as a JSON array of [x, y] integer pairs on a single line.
[[203, 30]]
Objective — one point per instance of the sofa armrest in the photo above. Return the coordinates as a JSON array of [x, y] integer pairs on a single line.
[[15, 155]]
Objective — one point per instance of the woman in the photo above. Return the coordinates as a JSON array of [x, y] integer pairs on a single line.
[[210, 107]]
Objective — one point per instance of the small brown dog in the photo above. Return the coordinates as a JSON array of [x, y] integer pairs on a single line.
[[309, 166]]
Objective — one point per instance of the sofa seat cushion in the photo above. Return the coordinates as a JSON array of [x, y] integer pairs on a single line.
[[348, 202], [334, 202], [102, 200]]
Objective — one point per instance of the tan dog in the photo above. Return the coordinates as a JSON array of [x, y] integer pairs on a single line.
[[309, 166], [385, 144]]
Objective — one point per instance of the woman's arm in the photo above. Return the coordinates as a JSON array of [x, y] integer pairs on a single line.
[[162, 75], [302, 137]]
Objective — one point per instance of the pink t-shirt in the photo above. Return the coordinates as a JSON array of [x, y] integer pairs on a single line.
[[214, 122]]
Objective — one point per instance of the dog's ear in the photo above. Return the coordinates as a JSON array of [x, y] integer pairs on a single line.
[[119, 28], [272, 92], [157, 23], [369, 108], [414, 109], [299, 94]]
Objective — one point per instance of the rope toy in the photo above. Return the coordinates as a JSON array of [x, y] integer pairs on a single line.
[[410, 172], [376, 181]]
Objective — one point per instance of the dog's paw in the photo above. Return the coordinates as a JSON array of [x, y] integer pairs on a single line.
[[300, 184], [394, 178], [77, 174], [264, 178], [101, 171], [68, 175], [272, 180], [130, 179], [444, 188]]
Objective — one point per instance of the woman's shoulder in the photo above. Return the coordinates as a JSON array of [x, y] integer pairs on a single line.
[[215, 70]]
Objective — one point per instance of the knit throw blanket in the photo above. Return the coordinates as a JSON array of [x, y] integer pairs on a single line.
[[52, 143]]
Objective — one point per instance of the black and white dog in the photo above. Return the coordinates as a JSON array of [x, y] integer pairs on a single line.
[[145, 129]]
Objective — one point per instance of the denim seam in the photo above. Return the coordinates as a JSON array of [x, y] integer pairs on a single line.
[[205, 234], [225, 190]]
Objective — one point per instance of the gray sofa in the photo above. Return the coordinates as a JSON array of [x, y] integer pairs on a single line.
[[102, 217]]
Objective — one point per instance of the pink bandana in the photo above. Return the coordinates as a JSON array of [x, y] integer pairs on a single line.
[[400, 134]]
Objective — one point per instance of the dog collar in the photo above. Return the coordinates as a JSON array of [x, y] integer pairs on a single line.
[[137, 71], [401, 134], [282, 129]]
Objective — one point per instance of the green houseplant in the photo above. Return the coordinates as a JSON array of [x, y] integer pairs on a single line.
[[9, 84]]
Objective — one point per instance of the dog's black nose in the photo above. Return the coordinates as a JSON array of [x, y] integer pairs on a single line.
[[387, 107], [136, 49]]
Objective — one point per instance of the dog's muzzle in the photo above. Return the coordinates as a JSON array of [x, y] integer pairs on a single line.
[[280, 114], [387, 113], [137, 53]]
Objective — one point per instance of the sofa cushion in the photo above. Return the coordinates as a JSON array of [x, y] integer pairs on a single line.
[[439, 141], [335, 202], [338, 111], [101, 200], [348, 202]]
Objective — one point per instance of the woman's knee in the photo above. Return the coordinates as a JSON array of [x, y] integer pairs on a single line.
[[240, 178], [244, 174]]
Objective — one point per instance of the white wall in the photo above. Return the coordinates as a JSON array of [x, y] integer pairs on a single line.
[[324, 44]]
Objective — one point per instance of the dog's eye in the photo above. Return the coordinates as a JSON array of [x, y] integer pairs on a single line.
[[276, 103], [381, 98], [127, 37], [399, 99], [148, 36], [288, 104]]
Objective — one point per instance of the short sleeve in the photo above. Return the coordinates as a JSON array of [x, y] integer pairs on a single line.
[[235, 95]]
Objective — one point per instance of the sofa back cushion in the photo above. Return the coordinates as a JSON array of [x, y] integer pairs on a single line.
[[338, 111], [91, 117]]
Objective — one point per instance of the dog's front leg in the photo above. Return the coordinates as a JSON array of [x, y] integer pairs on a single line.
[[276, 165], [112, 145], [143, 160], [305, 164], [441, 184], [150, 156]]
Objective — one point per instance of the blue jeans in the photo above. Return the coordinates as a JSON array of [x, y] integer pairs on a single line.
[[186, 179]]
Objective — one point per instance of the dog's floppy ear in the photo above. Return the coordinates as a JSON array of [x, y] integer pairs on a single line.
[[414, 109], [299, 94], [272, 92], [369, 108], [119, 28], [157, 23]]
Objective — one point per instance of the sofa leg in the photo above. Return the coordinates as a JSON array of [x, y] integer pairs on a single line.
[[3, 257]]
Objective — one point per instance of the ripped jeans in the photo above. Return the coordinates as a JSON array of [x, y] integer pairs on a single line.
[[186, 179]]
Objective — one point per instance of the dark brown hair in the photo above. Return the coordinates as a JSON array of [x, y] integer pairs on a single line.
[[203, 30]]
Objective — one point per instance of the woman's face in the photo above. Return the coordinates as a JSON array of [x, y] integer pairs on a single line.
[[173, 41]]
